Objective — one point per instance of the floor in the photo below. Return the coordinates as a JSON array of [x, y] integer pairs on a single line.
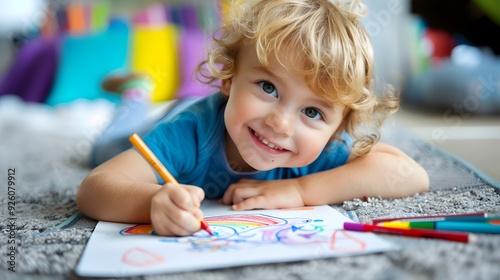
[[476, 139]]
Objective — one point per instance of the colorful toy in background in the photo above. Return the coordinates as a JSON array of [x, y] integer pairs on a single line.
[[456, 63], [88, 42], [155, 50]]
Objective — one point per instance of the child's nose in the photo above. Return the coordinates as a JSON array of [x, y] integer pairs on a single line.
[[281, 122]]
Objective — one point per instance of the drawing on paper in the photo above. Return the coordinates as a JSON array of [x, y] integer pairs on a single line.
[[237, 231], [141, 258], [241, 237]]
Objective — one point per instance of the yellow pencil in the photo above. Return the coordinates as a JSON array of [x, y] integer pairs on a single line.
[[160, 168]]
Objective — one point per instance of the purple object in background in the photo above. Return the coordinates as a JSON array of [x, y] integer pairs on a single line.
[[192, 53], [31, 74], [189, 17]]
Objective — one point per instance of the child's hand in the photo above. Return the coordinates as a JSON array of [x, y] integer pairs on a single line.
[[253, 194], [175, 210]]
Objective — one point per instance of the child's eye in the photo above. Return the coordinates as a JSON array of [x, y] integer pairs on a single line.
[[268, 88], [312, 113]]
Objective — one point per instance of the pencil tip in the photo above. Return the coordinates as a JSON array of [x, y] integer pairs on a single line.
[[209, 231], [472, 238], [204, 226]]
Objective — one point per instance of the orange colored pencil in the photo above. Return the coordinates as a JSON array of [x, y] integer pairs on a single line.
[[160, 168]]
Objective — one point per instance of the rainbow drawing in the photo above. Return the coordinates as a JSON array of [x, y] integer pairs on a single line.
[[143, 229], [238, 223], [237, 231], [244, 222]]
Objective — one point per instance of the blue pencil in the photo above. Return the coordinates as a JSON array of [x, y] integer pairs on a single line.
[[468, 227]]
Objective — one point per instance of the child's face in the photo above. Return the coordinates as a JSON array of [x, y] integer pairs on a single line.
[[273, 118]]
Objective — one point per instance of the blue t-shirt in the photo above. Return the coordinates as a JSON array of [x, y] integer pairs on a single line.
[[191, 145]]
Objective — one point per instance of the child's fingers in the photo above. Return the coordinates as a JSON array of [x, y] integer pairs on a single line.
[[173, 212], [170, 218], [227, 198], [197, 194], [255, 202], [169, 227], [181, 197], [242, 193], [229, 195]]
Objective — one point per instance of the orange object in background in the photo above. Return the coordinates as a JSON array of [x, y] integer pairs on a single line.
[[76, 18]]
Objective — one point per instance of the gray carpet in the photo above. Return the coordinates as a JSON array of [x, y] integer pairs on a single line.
[[48, 170]]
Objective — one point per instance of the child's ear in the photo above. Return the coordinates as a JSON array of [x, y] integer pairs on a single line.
[[226, 86]]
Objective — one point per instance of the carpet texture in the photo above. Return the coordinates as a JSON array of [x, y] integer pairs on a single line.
[[50, 235]]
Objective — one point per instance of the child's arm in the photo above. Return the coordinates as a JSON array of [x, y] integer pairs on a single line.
[[385, 171], [125, 189]]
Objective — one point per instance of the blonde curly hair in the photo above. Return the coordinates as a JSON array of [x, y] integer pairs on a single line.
[[321, 39]]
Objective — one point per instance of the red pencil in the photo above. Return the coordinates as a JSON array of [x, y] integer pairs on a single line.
[[441, 234], [144, 150]]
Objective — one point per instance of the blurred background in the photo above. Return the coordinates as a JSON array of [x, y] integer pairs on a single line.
[[442, 55]]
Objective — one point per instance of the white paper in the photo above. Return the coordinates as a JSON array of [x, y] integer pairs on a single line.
[[241, 238]]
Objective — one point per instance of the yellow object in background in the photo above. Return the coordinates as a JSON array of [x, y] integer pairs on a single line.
[[224, 10], [155, 51], [227, 7]]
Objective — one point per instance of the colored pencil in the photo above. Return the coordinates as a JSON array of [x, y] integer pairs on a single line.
[[477, 227], [477, 215], [159, 167], [447, 235], [486, 218]]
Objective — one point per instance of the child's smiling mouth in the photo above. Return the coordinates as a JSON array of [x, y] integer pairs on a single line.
[[272, 147]]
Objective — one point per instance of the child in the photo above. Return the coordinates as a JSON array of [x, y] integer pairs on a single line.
[[295, 123]]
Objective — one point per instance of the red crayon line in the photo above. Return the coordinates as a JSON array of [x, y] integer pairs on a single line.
[[440, 234], [160, 168]]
